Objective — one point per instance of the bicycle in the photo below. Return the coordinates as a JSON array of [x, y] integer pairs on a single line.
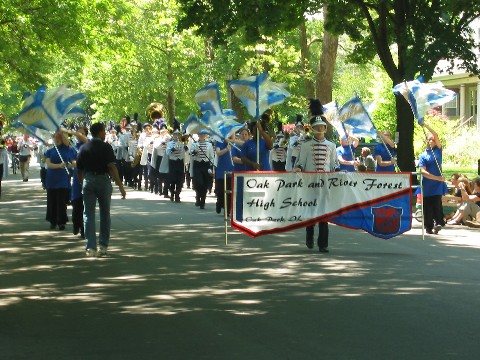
[[15, 163]]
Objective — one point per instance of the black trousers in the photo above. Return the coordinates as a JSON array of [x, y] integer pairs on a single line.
[[201, 180], [77, 214], [57, 206], [278, 165], [322, 240], [176, 176], [220, 192], [433, 211]]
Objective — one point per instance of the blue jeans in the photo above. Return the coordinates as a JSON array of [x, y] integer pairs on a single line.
[[96, 187]]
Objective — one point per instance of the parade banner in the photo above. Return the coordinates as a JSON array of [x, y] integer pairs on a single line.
[[274, 202]]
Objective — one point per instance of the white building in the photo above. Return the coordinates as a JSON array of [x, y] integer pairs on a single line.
[[466, 105]]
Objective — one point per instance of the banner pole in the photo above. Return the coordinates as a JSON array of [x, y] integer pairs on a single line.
[[225, 202]]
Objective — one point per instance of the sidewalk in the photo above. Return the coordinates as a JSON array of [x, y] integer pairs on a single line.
[[171, 289]]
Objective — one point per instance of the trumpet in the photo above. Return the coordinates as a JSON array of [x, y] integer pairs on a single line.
[[308, 132]]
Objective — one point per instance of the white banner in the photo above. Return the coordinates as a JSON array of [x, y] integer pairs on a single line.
[[266, 202]]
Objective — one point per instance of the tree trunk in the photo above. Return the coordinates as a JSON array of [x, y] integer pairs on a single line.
[[326, 69], [405, 125], [171, 94], [324, 83], [304, 56]]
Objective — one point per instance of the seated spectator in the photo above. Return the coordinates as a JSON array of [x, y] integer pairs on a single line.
[[456, 195], [469, 209], [367, 160]]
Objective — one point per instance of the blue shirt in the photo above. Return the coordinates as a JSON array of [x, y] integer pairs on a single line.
[[224, 162], [431, 160], [381, 150], [59, 178], [249, 150], [76, 186], [346, 152]]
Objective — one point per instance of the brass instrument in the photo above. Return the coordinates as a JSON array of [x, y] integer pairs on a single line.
[[137, 158], [184, 139], [308, 132], [155, 111]]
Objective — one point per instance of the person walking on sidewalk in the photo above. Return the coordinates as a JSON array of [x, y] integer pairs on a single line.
[[95, 162], [3, 162], [25, 148]]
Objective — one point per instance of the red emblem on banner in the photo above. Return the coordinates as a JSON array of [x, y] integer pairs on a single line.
[[386, 219]]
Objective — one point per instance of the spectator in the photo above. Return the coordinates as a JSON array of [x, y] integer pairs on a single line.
[[94, 162], [367, 159], [25, 148]]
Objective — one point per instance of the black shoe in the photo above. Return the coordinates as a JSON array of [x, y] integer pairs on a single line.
[[309, 243], [429, 231], [76, 230], [177, 199], [171, 198], [436, 229], [323, 250], [61, 227], [218, 208], [202, 206]]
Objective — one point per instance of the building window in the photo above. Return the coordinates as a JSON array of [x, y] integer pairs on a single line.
[[451, 108]]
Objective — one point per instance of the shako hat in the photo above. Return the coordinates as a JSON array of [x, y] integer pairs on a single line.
[[316, 111]]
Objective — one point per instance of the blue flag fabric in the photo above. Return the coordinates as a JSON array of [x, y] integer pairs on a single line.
[[208, 98], [40, 134], [259, 94], [330, 111], [356, 119], [423, 96], [47, 108]]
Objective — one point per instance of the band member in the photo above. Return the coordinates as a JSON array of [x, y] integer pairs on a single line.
[[346, 153], [175, 156], [133, 159], [228, 154], [151, 176], [163, 177], [317, 155], [279, 152], [294, 143], [258, 158], [202, 167], [145, 143]]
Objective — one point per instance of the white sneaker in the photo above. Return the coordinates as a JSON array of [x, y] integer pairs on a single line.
[[91, 253], [102, 251]]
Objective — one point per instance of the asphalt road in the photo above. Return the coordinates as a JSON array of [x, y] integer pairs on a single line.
[[172, 289]]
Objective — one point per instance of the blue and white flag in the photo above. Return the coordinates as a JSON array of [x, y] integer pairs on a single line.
[[48, 108], [330, 111], [208, 98], [193, 125], [424, 96], [222, 126], [259, 94], [356, 119], [40, 134]]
